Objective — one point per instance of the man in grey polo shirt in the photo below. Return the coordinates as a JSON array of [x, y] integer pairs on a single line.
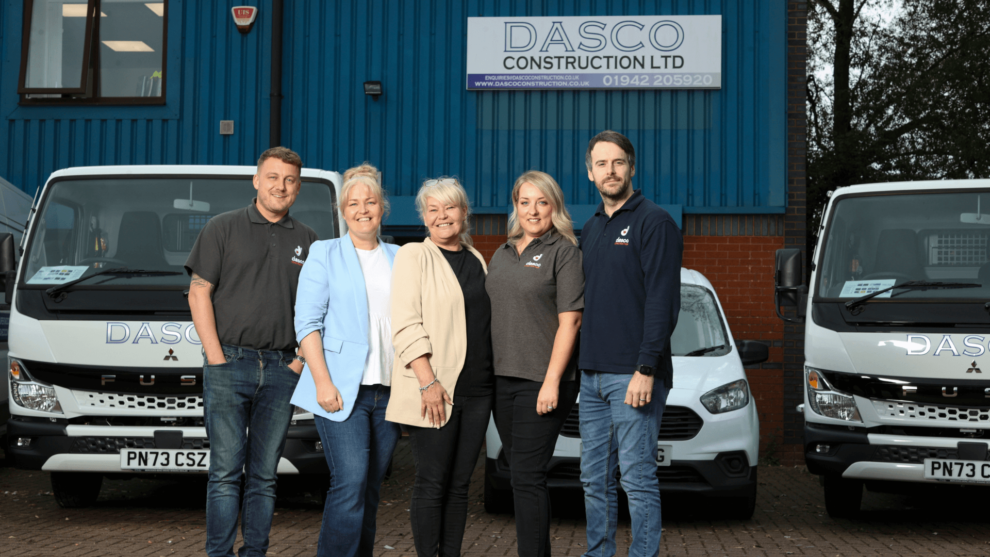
[[244, 268]]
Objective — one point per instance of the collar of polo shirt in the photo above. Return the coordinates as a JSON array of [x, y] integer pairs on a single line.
[[256, 217], [634, 200]]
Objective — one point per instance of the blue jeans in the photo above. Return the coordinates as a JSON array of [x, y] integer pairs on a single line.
[[247, 413], [616, 434], [358, 451]]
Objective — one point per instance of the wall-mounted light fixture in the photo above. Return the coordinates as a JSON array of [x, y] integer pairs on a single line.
[[373, 88]]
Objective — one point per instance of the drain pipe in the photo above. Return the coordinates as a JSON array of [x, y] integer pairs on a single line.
[[278, 9]]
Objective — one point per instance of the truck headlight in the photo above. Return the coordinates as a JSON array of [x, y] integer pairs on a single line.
[[35, 396], [826, 400], [727, 398]]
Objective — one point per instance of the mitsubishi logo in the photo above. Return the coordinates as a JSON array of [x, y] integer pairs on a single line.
[[973, 369], [171, 356]]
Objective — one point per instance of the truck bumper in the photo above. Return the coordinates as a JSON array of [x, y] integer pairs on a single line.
[[877, 457], [54, 447]]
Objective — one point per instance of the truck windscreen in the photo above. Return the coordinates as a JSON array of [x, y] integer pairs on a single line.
[[874, 242], [143, 223]]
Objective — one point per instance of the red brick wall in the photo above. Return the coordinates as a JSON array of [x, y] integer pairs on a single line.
[[488, 244], [741, 270]]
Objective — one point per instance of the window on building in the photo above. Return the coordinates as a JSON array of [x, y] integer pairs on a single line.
[[95, 51]]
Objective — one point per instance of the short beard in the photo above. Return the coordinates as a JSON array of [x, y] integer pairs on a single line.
[[619, 194]]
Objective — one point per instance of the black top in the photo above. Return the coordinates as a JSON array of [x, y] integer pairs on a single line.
[[528, 292], [254, 265], [476, 378], [632, 294]]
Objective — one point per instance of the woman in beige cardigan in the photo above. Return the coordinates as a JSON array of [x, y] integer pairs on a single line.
[[443, 382]]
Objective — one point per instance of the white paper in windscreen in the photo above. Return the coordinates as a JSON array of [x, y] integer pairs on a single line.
[[57, 275], [857, 288]]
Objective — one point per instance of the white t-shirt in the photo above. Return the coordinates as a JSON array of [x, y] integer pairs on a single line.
[[378, 284]]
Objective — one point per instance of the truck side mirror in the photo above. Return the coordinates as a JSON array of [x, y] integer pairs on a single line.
[[752, 352], [789, 289], [7, 252], [7, 265]]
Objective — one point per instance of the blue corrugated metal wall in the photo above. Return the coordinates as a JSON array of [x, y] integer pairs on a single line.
[[213, 73], [718, 151], [708, 151]]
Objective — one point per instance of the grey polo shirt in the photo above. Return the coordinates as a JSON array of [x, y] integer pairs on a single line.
[[527, 293], [254, 265]]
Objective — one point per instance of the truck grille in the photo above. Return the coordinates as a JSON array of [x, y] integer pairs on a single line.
[[931, 412], [113, 445], [88, 399], [911, 455], [678, 424]]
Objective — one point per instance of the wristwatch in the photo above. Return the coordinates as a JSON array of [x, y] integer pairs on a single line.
[[646, 370], [300, 358]]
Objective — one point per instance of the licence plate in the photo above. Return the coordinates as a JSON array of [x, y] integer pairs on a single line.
[[664, 454], [168, 460], [957, 470]]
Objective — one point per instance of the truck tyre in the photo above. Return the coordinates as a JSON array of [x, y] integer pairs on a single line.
[[75, 490], [842, 496], [497, 501]]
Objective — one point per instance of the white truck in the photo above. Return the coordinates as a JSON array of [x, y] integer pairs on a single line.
[[14, 208], [105, 366], [897, 370]]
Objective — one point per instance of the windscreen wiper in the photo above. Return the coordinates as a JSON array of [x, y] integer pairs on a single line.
[[706, 350], [855, 306], [55, 291]]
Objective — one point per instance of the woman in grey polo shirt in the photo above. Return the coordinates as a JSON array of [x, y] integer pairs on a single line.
[[536, 285]]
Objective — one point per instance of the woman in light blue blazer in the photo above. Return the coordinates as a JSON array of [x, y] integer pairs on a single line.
[[343, 327]]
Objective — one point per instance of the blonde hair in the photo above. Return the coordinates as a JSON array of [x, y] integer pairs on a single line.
[[448, 191], [559, 215], [367, 175], [363, 169]]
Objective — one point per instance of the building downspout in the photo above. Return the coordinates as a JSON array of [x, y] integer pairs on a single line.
[[278, 8]]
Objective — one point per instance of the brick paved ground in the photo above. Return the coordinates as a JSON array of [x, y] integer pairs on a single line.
[[165, 517]]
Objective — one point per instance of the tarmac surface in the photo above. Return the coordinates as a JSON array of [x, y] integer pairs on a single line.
[[165, 517]]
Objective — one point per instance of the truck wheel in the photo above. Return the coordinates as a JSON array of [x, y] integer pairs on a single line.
[[842, 496], [75, 490], [497, 501]]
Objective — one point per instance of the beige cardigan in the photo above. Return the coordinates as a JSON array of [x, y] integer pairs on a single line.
[[427, 318]]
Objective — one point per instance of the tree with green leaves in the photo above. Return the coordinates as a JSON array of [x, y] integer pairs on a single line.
[[897, 91]]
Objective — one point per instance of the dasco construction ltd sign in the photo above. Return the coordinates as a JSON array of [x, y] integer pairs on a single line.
[[624, 52]]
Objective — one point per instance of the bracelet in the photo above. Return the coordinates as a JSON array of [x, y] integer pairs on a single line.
[[428, 385]]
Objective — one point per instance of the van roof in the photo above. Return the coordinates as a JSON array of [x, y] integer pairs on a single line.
[[886, 187], [176, 169]]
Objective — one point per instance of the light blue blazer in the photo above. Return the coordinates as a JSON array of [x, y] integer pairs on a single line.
[[332, 298]]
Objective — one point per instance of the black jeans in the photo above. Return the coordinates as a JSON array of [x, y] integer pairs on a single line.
[[528, 440], [445, 458]]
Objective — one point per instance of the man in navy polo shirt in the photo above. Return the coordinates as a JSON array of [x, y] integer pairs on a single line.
[[632, 264]]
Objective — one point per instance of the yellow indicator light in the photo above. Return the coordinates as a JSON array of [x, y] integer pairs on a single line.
[[813, 380], [15, 370]]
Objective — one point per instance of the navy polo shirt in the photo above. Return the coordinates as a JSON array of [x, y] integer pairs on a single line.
[[632, 292]]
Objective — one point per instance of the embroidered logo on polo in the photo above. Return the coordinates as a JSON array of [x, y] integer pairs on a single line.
[[534, 263], [296, 259], [622, 240]]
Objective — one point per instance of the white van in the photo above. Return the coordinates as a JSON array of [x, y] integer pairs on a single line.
[[105, 365], [897, 350], [710, 432]]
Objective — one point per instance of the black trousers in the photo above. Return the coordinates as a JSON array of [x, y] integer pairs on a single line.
[[445, 458], [528, 440]]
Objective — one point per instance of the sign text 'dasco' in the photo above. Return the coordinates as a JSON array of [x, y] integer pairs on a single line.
[[622, 52]]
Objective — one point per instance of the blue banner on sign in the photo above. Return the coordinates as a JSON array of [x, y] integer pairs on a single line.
[[628, 80]]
